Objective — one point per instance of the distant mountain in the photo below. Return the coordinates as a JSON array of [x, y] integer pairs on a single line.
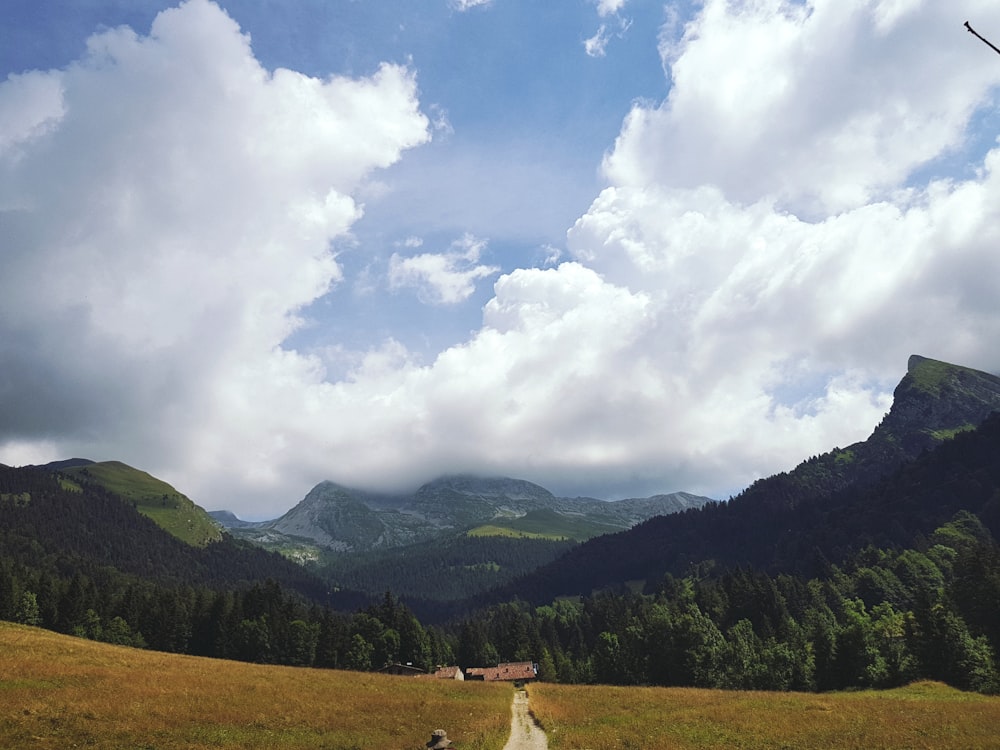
[[827, 508], [334, 518], [228, 520]]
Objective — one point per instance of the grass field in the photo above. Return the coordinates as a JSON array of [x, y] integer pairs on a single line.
[[60, 692], [923, 715], [544, 524]]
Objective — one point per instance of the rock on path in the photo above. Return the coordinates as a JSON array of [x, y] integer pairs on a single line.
[[525, 734]]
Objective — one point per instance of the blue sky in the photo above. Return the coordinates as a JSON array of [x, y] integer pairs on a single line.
[[615, 247]]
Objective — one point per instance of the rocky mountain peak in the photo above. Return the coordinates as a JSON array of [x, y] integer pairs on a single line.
[[933, 401]]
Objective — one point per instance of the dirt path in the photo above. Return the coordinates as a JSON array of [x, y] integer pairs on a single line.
[[525, 734]]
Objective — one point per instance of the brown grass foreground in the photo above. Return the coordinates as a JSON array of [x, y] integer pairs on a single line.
[[923, 715], [62, 692]]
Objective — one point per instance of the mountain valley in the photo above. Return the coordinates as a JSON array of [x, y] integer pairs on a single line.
[[867, 566]]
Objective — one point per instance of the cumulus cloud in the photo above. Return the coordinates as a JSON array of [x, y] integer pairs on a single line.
[[718, 322], [817, 104], [442, 278], [167, 207], [744, 292], [765, 209]]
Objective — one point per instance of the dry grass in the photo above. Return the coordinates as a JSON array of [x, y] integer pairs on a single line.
[[924, 715], [62, 692]]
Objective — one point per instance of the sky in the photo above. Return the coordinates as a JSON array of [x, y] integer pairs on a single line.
[[614, 247]]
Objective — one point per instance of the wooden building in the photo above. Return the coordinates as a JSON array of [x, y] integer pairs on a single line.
[[519, 671]]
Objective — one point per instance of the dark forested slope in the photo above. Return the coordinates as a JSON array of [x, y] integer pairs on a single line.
[[884, 491], [53, 525]]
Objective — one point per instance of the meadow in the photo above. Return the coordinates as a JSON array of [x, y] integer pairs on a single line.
[[922, 715], [62, 692]]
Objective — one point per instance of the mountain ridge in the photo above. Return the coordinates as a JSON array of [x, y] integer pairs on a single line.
[[933, 403], [171, 510], [340, 519]]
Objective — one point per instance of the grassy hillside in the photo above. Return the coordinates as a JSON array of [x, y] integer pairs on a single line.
[[544, 524], [63, 692], [153, 498], [923, 715]]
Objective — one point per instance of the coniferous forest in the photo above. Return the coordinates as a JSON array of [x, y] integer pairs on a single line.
[[872, 587]]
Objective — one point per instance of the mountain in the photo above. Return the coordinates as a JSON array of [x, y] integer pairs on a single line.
[[453, 538], [229, 520], [824, 510], [54, 525], [152, 497], [933, 402], [334, 518]]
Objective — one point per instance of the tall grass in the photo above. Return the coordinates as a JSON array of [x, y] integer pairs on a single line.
[[923, 715], [62, 692]]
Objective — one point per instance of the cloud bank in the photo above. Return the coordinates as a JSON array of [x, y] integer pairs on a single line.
[[771, 246]]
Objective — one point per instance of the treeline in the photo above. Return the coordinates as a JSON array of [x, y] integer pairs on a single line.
[[87, 563], [882, 620], [262, 623], [449, 569]]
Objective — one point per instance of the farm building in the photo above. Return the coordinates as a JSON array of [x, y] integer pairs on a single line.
[[445, 673], [520, 671]]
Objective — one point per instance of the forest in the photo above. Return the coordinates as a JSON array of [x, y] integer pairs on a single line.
[[884, 620]]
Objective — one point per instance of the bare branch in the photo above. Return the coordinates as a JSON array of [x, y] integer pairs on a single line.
[[983, 39]]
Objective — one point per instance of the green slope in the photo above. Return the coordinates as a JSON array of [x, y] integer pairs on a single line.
[[152, 497], [545, 524]]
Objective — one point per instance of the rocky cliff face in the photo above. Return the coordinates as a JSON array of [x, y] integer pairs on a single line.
[[933, 401]]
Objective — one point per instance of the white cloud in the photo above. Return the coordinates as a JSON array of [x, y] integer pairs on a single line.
[[597, 45], [609, 7], [707, 333], [167, 207], [442, 278], [816, 104], [464, 5], [552, 255], [440, 122], [744, 292], [32, 104]]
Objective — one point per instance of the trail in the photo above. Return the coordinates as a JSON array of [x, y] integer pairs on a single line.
[[525, 734]]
